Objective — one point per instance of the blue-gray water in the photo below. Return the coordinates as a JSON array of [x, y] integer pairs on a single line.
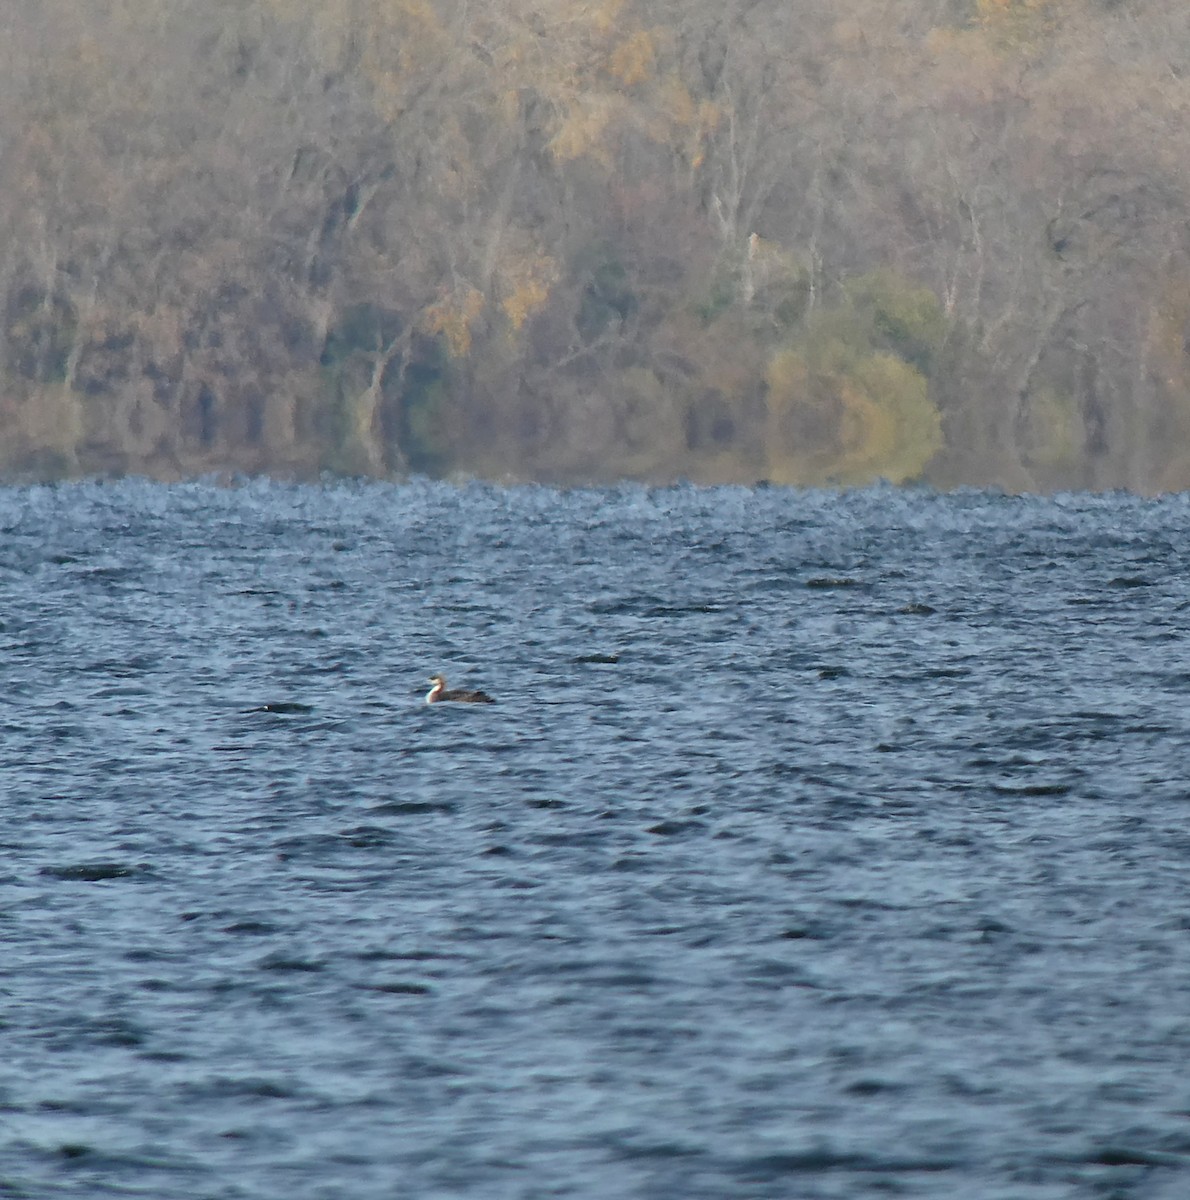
[[818, 846]]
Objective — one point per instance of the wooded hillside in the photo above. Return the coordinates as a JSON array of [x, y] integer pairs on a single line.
[[802, 240]]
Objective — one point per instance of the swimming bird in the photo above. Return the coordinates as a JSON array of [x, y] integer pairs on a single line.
[[438, 693]]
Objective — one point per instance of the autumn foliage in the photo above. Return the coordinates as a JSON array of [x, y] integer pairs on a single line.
[[822, 242]]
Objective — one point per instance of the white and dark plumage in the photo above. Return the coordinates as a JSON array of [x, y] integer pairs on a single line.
[[439, 692]]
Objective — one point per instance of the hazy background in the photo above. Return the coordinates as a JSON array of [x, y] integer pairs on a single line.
[[813, 241]]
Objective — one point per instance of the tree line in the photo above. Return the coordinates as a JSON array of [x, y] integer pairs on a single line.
[[814, 242]]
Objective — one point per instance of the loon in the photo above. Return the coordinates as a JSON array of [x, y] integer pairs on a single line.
[[438, 693]]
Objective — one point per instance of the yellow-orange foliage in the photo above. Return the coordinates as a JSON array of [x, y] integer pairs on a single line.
[[48, 422], [581, 131], [399, 42], [1016, 22], [1162, 431], [527, 284], [604, 17], [633, 60], [1054, 429], [454, 317], [870, 420]]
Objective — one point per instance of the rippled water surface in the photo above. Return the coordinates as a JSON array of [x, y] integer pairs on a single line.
[[818, 845]]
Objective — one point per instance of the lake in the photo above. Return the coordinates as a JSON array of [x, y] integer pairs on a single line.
[[819, 844]]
